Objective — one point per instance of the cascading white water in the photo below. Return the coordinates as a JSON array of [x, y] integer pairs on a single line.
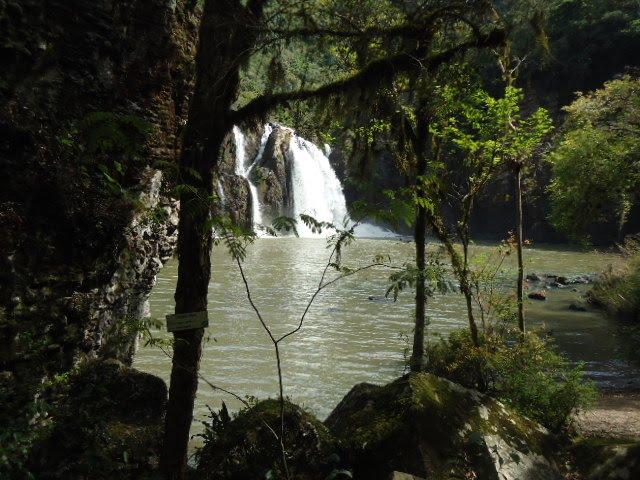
[[243, 171], [316, 188], [221, 194]]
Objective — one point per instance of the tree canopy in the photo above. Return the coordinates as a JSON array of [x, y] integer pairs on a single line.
[[596, 163]]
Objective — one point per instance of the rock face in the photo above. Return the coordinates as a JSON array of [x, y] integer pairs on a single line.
[[273, 174], [233, 190], [426, 426], [92, 96]]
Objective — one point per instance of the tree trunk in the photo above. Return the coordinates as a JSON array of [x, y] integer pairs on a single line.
[[465, 284], [224, 44], [417, 362], [520, 286]]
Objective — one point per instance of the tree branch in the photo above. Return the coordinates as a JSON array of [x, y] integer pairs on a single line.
[[375, 73]]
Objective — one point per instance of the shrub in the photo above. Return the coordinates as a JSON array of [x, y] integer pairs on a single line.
[[529, 376], [618, 290]]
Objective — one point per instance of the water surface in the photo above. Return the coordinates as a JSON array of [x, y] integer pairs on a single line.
[[346, 337]]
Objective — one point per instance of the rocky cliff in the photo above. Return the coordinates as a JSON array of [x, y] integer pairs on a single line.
[[92, 98]]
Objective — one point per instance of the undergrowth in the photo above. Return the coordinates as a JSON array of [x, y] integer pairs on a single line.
[[528, 375], [618, 289]]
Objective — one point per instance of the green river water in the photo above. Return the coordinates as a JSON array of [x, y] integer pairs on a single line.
[[348, 338]]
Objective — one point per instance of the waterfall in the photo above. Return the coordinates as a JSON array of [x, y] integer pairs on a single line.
[[223, 197], [243, 171], [315, 189]]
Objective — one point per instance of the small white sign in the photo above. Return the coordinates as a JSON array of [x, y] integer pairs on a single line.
[[187, 321]]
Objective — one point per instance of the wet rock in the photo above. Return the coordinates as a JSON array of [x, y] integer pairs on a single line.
[[558, 281], [537, 296], [379, 299], [273, 173], [429, 427]]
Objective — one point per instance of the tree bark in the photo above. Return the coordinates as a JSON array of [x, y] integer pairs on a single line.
[[417, 362], [225, 42]]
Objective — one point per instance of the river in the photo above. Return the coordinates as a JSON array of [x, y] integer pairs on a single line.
[[348, 338]]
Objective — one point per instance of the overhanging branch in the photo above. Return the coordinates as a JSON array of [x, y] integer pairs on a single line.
[[373, 74]]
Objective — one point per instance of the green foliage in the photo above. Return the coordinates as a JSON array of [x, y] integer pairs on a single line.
[[596, 163], [590, 40], [530, 376], [491, 288], [618, 290], [407, 276]]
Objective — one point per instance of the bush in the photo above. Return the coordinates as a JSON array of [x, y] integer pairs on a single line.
[[618, 290], [529, 376]]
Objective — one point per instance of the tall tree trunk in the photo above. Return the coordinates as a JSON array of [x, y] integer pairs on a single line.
[[465, 283], [519, 241], [473, 327], [417, 362], [225, 41]]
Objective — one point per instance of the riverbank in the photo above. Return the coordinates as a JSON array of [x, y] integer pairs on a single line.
[[616, 415]]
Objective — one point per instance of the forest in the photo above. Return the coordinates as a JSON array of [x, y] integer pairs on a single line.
[[318, 240]]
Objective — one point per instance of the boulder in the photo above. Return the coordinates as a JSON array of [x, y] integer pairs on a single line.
[[429, 427], [106, 421], [558, 281], [607, 459], [403, 476], [245, 447], [272, 174]]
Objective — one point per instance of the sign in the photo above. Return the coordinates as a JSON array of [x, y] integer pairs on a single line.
[[187, 321]]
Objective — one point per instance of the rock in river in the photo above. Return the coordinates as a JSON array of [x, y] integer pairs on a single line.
[[537, 296]]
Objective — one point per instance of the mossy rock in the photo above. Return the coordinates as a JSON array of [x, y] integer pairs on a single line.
[[607, 459], [246, 448], [107, 423], [111, 390], [430, 427]]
